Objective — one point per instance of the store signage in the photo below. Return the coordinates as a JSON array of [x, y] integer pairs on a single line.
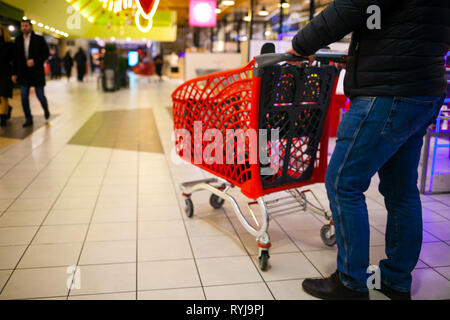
[[146, 9], [202, 13]]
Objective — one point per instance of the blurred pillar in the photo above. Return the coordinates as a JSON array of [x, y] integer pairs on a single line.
[[250, 23], [281, 15]]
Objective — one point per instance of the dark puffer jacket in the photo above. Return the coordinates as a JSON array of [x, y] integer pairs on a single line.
[[404, 58]]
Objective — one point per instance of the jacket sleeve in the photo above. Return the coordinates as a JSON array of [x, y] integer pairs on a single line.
[[339, 19], [43, 53]]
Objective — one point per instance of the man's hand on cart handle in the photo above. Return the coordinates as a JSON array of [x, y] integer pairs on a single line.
[[299, 63]]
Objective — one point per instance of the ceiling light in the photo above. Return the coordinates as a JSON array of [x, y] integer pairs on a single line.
[[285, 5], [11, 28], [228, 2], [47, 27], [40, 24], [218, 10], [263, 12], [247, 18], [33, 22], [52, 29]]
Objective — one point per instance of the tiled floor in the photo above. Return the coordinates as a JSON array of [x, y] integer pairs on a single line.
[[96, 191]]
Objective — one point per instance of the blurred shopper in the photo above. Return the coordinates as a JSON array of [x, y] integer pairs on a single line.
[[6, 86], [28, 68], [55, 65], [396, 80], [68, 64], [81, 60], [158, 60]]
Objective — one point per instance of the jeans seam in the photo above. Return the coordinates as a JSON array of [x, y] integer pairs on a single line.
[[339, 175]]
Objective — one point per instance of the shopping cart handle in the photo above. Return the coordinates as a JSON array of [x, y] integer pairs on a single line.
[[330, 55], [324, 56], [269, 59]]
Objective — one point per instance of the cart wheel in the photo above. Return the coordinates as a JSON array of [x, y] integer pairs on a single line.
[[189, 208], [216, 202], [327, 238], [263, 260]]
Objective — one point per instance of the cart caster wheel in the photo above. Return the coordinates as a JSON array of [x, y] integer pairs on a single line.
[[216, 202], [327, 238], [189, 208], [263, 260]]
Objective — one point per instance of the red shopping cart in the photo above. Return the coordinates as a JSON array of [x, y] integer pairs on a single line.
[[262, 128]]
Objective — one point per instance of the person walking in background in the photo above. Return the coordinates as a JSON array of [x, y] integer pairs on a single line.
[[159, 65], [396, 81], [31, 51], [68, 64], [55, 65], [6, 87], [81, 59]]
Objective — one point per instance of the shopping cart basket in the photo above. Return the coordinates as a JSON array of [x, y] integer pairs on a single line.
[[262, 128]]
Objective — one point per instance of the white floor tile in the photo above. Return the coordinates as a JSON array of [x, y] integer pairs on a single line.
[[289, 290], [22, 218], [60, 234], [108, 296], [164, 248], [288, 266], [108, 252], [429, 285], [51, 255], [109, 278], [70, 216], [167, 275], [217, 246], [12, 236], [36, 283], [172, 294], [440, 230], [152, 229], [435, 254], [4, 275], [248, 291], [112, 231], [10, 255]]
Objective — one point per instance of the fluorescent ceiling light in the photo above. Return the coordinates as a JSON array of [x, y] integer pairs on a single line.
[[228, 2]]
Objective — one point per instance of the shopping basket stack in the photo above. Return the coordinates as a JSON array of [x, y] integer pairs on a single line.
[[262, 128]]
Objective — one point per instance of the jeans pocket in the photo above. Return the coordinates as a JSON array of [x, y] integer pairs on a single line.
[[407, 115]]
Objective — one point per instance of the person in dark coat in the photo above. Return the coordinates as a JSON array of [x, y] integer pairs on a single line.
[[31, 51], [396, 80], [81, 59], [159, 65], [68, 64], [6, 87], [55, 66]]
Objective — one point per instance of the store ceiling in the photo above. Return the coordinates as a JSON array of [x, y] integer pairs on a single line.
[[62, 15]]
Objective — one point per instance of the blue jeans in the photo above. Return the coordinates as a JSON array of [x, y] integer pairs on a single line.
[[383, 135], [25, 94]]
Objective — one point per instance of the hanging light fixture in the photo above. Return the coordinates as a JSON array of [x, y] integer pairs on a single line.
[[263, 12]]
